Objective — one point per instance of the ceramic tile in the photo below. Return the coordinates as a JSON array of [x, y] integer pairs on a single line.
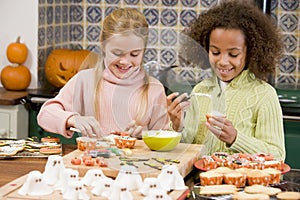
[[290, 43], [189, 3], [76, 13], [169, 2], [169, 17], [289, 22], [168, 56], [93, 14], [168, 37], [49, 11], [76, 32], [131, 2], [288, 64], [75, 24], [150, 2], [58, 14], [93, 33], [150, 55], [49, 35], [152, 16], [186, 16], [290, 5]]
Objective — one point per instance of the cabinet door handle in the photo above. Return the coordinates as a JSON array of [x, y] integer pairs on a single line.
[[287, 101], [288, 117]]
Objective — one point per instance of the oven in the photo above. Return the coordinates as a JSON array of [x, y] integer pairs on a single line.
[[289, 97]]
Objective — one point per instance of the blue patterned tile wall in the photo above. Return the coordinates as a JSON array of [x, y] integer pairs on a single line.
[[76, 24]]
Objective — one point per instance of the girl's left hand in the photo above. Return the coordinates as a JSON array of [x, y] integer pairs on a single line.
[[134, 130], [222, 128]]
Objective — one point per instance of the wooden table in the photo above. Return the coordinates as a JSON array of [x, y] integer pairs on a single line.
[[13, 172], [14, 168]]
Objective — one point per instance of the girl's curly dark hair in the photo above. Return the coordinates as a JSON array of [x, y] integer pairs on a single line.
[[263, 38]]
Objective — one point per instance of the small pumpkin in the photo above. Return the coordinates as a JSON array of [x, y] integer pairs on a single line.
[[17, 52], [62, 64], [15, 77]]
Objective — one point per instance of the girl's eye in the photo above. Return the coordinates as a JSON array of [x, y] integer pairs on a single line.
[[135, 53], [215, 53], [117, 53], [233, 55]]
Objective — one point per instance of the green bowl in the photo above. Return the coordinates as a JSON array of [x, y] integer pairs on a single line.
[[160, 140]]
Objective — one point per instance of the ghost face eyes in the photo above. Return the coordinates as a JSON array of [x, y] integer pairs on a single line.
[[97, 175], [169, 172], [107, 185], [38, 180], [78, 188], [153, 186], [128, 172], [123, 189], [72, 176], [159, 196], [56, 162]]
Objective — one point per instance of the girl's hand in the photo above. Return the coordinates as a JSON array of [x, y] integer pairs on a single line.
[[87, 125], [176, 107], [134, 130], [222, 128]]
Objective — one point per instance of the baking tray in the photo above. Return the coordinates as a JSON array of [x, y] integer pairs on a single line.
[[24, 153], [284, 186]]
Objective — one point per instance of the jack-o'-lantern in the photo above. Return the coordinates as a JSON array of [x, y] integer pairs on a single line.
[[62, 64]]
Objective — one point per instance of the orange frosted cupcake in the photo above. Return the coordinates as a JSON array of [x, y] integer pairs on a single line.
[[243, 170], [222, 170], [274, 175], [235, 178], [210, 178], [209, 163], [258, 177]]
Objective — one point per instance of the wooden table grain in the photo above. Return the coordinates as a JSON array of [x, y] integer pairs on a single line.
[[13, 168]]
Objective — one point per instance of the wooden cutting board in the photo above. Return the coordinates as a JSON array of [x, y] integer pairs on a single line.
[[187, 154]]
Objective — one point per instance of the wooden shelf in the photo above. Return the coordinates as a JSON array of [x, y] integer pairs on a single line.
[[11, 97]]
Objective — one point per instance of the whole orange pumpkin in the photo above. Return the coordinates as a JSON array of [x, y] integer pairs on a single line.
[[62, 64], [17, 52], [15, 77]]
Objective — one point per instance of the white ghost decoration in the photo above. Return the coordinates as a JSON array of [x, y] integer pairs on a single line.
[[149, 184], [119, 192], [35, 185], [103, 187], [68, 176], [129, 176], [158, 194], [54, 169], [91, 176], [170, 178], [75, 191]]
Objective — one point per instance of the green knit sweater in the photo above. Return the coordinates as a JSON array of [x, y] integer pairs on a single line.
[[250, 104]]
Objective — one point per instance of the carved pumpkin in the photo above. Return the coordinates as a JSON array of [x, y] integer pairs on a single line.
[[62, 64], [16, 52], [15, 77]]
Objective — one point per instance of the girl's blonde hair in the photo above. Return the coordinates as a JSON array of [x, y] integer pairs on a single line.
[[122, 21]]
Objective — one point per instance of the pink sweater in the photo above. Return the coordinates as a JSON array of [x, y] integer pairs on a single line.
[[119, 100]]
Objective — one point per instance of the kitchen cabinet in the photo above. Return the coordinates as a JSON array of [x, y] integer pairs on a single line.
[[13, 121], [13, 114]]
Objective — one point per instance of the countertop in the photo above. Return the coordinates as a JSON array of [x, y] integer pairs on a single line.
[[13, 168], [8, 97]]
